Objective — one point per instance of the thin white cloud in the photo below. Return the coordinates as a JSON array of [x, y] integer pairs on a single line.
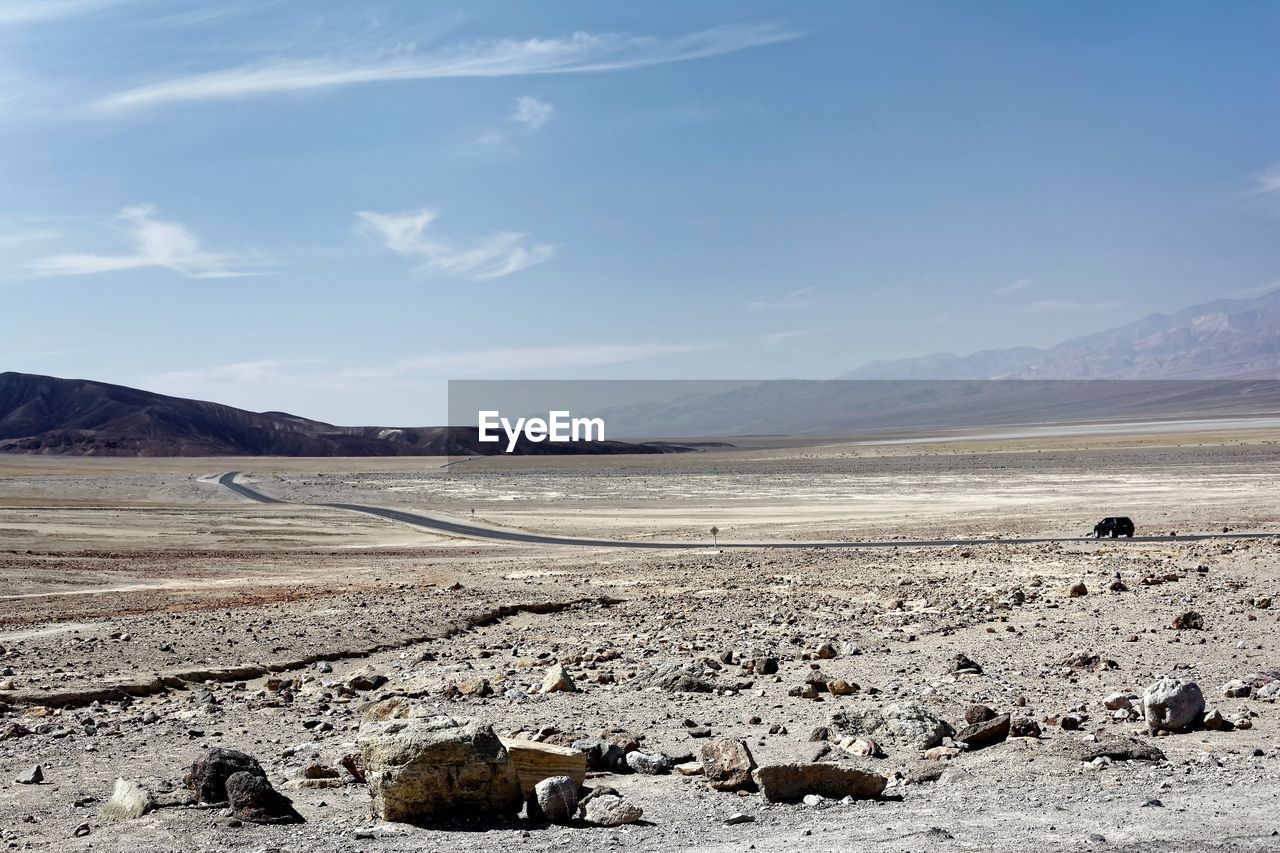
[[531, 113], [528, 117], [1020, 284], [524, 359], [14, 13], [1267, 182], [199, 17], [802, 298], [1063, 306], [180, 382], [222, 381], [579, 53], [156, 243], [495, 256], [1255, 292], [32, 235], [774, 340]]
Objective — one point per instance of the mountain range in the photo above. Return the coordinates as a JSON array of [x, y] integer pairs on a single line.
[[1174, 366], [1226, 338]]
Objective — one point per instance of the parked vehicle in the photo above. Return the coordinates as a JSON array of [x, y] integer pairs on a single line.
[[1113, 526]]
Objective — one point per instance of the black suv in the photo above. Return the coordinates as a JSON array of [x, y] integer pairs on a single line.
[[1113, 526]]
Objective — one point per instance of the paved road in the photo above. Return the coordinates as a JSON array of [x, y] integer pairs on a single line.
[[229, 480], [473, 531]]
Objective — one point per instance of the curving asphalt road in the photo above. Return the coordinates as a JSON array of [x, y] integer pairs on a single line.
[[458, 528]]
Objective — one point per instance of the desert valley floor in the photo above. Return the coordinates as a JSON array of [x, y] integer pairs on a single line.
[[270, 628]]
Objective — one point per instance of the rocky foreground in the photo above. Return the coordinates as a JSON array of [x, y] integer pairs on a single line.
[[1098, 696]]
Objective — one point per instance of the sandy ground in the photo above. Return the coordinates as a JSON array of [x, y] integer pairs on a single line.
[[123, 572], [1052, 487]]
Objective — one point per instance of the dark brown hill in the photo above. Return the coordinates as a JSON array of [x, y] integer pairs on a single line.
[[80, 417]]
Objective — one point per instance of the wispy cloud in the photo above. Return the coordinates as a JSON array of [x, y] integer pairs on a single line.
[[495, 256], [579, 53], [775, 340], [1267, 182], [198, 382], [802, 298], [156, 243], [1063, 306], [317, 374], [1020, 284], [30, 235], [528, 117], [521, 360], [200, 17], [14, 13], [531, 113], [1255, 292]]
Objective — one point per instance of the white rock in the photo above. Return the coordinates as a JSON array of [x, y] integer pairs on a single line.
[[1172, 704], [129, 800], [610, 810], [1119, 701], [558, 681]]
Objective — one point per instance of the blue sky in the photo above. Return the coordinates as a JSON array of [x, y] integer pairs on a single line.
[[332, 207]]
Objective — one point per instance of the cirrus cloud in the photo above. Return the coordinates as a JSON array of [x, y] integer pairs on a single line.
[[531, 113], [1020, 284], [14, 13], [579, 53], [528, 117], [495, 256], [804, 297], [1267, 182], [1064, 306], [156, 243]]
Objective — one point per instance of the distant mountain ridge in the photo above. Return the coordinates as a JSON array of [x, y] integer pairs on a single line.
[[1175, 366], [44, 414], [1222, 339]]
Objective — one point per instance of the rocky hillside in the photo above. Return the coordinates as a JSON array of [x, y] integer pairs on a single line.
[[44, 414]]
